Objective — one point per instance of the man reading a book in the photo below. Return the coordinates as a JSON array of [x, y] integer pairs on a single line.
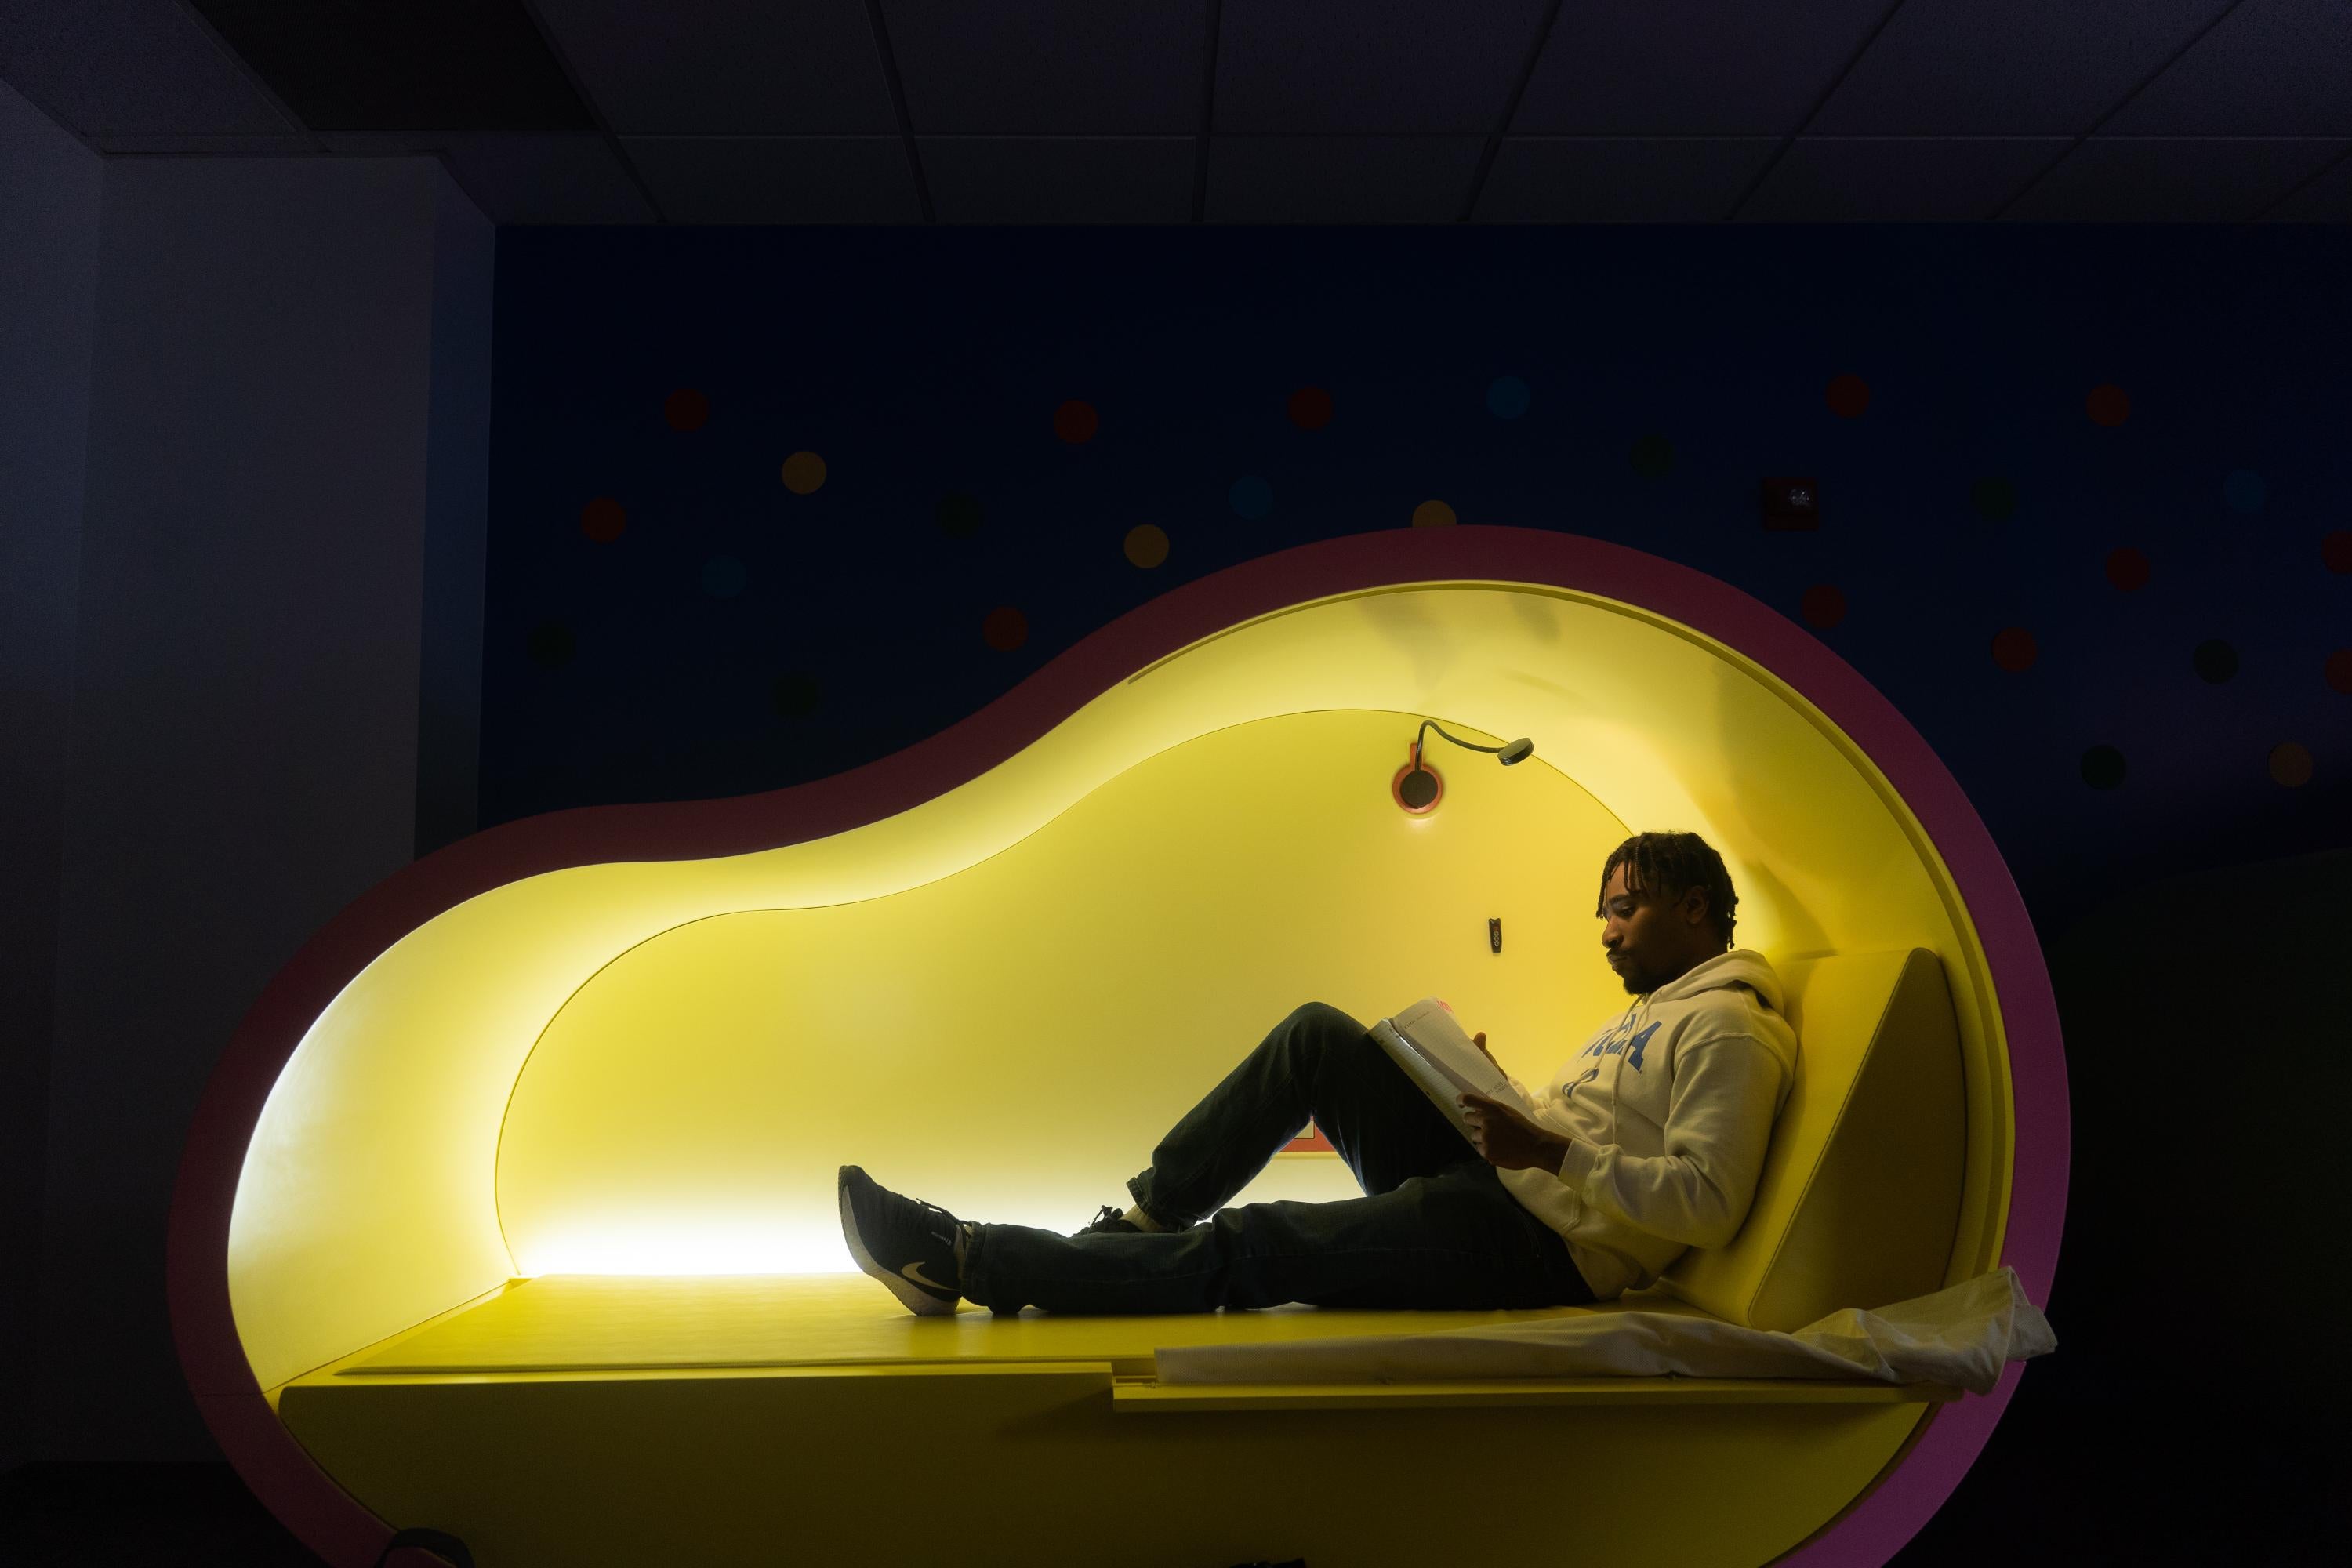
[[1648, 1141]]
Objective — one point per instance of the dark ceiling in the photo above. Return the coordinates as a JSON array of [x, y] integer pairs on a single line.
[[1158, 112]]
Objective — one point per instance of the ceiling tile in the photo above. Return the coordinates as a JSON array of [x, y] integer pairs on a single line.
[[1690, 67], [2169, 180], [2007, 67], [1340, 179], [386, 143], [722, 67], [777, 179], [519, 177], [131, 67], [1905, 179], [1064, 179], [1380, 66], [372, 65], [1620, 179], [279, 146], [2271, 67], [2327, 199], [1050, 68]]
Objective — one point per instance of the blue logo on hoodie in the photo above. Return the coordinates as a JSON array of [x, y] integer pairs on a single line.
[[1620, 1041]]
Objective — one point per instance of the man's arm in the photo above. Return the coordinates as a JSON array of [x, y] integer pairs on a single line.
[[1506, 1138], [1718, 1123]]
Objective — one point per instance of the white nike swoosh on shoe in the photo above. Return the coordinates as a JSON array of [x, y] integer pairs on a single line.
[[915, 1272]]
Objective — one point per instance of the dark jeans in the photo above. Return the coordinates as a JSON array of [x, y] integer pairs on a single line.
[[1436, 1227]]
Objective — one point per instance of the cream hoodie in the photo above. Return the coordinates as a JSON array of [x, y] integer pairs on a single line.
[[1667, 1110]]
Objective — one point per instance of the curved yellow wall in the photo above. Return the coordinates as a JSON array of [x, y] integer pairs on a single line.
[[1011, 1041], [654, 1067]]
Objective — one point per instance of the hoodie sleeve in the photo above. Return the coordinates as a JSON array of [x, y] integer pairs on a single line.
[[1718, 1120]]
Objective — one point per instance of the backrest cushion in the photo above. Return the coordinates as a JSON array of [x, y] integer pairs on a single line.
[[1860, 1195]]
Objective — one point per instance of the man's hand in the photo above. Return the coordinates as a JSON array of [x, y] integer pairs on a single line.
[[1508, 1139]]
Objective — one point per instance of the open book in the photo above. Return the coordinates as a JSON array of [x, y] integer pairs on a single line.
[[1435, 1054]]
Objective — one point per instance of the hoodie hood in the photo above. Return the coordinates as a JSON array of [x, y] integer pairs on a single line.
[[1740, 983], [1739, 966]]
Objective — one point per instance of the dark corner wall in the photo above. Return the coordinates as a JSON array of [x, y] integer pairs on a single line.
[[243, 457], [768, 504], [49, 275]]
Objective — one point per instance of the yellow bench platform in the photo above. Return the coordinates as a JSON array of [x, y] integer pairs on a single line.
[[617, 1324], [599, 1419]]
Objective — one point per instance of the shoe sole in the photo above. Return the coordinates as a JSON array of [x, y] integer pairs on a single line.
[[913, 1296]]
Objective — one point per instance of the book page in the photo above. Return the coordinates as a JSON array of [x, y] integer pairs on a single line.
[[1441, 1059], [1429, 1026]]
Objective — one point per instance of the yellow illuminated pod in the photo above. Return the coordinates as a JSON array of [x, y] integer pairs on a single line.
[[546, 1193]]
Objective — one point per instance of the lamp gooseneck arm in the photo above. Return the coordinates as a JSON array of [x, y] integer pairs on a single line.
[[1419, 739]]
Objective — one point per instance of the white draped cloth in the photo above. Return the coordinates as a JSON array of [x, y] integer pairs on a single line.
[[1962, 1335]]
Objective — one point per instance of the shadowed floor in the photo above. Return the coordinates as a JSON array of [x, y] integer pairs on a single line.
[[2064, 1481], [152, 1515]]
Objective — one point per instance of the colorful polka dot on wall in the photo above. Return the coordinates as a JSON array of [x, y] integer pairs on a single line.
[[551, 644], [1311, 408], [1145, 544], [2290, 764], [724, 576], [2102, 767], [1823, 606], [602, 520], [2336, 551], [1006, 629], [1251, 496], [794, 695], [1847, 397], [803, 473], [686, 409], [1434, 514], [1076, 422], [959, 514], [2339, 670], [2127, 569], [2243, 490], [1508, 397], [2107, 405], [2014, 649], [1652, 457], [1994, 498], [2214, 660]]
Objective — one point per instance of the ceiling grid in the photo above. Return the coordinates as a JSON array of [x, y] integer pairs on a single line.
[[1318, 112]]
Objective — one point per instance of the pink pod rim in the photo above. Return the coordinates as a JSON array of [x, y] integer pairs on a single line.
[[1869, 1531]]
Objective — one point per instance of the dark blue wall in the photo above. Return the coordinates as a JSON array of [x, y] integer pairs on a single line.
[[2037, 400], [737, 635]]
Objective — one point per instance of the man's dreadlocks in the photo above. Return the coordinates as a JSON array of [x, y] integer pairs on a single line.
[[1671, 863]]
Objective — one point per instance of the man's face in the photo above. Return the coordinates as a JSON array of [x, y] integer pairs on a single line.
[[1644, 946]]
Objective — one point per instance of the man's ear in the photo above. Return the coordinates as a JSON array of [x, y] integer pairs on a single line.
[[1693, 905]]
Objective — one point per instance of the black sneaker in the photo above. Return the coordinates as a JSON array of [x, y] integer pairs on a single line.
[[907, 1246], [1109, 1222]]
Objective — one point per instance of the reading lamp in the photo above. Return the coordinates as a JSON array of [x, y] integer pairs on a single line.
[[1418, 789]]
